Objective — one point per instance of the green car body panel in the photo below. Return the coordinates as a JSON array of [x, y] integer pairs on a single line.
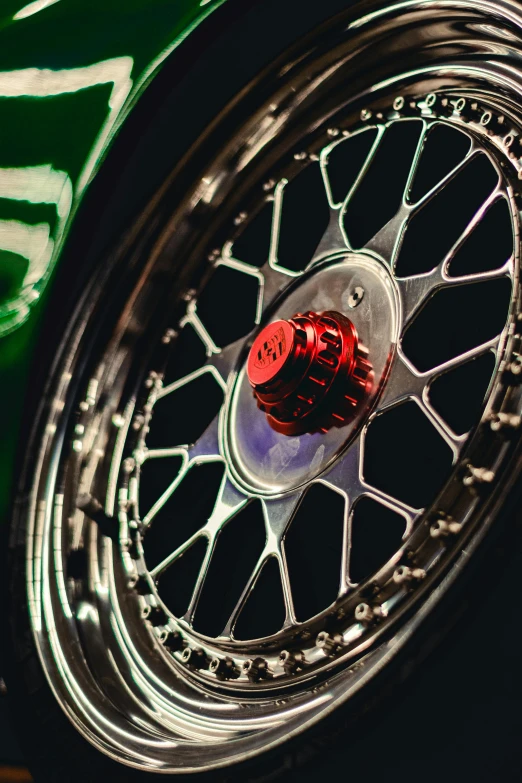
[[70, 73]]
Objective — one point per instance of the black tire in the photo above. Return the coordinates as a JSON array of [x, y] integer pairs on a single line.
[[145, 154]]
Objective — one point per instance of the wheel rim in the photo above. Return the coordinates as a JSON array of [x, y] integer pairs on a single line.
[[154, 690]]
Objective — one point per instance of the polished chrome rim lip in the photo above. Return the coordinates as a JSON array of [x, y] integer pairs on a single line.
[[74, 696]]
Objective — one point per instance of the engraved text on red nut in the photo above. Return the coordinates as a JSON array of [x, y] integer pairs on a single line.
[[309, 373]]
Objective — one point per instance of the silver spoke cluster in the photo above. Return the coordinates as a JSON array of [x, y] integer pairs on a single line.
[[346, 477]]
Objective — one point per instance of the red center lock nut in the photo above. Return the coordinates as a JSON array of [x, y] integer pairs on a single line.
[[309, 373]]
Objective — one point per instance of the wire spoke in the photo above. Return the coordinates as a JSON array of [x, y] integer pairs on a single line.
[[275, 280], [472, 152], [489, 346], [324, 163], [225, 361], [332, 240], [335, 237], [416, 290], [364, 169], [478, 277], [228, 630], [405, 382], [176, 554], [191, 317], [473, 223], [454, 441], [409, 514], [416, 160], [227, 260], [206, 448], [346, 477], [192, 376], [200, 581], [185, 467], [228, 503], [143, 454], [278, 513], [386, 242], [290, 618], [277, 213]]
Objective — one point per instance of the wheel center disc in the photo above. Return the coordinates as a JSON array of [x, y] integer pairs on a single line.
[[312, 375]]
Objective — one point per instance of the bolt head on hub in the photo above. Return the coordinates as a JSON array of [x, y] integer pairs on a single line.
[[309, 373]]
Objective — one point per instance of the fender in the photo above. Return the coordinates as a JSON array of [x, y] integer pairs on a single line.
[[67, 85]]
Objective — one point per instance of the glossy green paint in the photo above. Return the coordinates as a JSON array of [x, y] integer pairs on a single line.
[[70, 72]]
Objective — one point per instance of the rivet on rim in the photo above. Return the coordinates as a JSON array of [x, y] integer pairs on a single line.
[[366, 614], [505, 421], [174, 641], [481, 476], [292, 661], [224, 668], [404, 575], [169, 335], [196, 657], [256, 668], [329, 643], [442, 528]]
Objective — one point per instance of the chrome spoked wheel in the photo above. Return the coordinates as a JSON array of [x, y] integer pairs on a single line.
[[213, 569]]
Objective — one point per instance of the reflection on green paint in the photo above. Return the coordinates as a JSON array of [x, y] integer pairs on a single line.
[[69, 73], [69, 115], [33, 8]]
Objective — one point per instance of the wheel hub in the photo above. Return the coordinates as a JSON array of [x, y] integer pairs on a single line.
[[296, 440], [309, 373]]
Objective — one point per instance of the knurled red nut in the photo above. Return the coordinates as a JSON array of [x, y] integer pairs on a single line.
[[309, 373]]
